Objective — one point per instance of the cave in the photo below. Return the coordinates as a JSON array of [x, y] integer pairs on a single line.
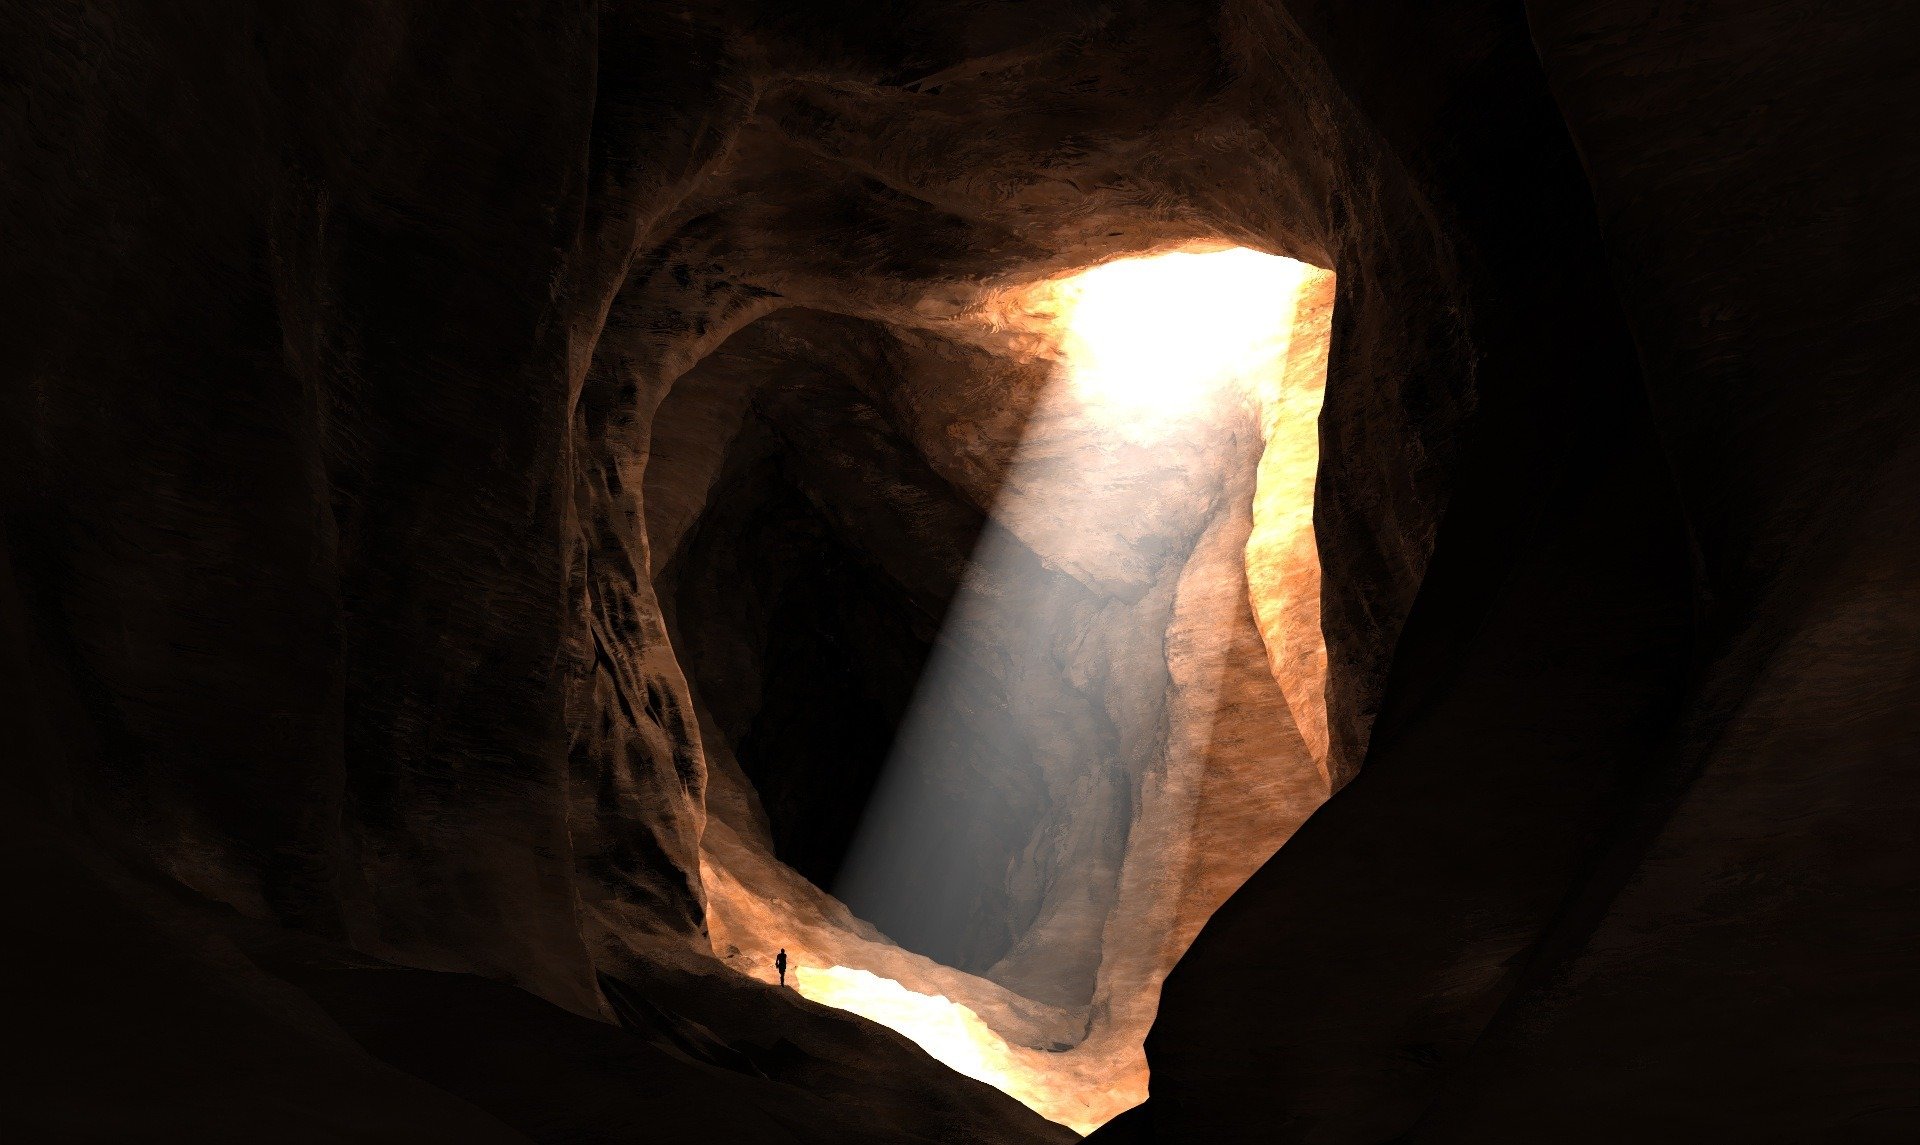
[[1001, 630], [1235, 572]]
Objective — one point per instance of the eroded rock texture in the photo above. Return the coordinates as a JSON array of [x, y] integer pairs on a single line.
[[387, 384], [984, 662], [1580, 899]]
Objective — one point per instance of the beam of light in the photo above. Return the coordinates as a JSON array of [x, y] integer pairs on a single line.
[[1179, 389]]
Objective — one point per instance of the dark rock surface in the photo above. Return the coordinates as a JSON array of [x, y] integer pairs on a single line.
[[155, 1016], [341, 701], [1712, 953]]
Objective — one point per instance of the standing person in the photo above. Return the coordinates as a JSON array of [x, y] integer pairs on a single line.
[[780, 964]]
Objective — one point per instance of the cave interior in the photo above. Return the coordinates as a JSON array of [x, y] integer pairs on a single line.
[[1237, 572]]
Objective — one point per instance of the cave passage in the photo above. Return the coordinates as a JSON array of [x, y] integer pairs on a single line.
[[1063, 611], [1032, 728]]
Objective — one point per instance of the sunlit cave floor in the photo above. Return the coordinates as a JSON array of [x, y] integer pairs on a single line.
[[1202, 370], [952, 1033]]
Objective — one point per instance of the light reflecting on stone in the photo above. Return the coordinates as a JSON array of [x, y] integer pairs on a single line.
[[1164, 482]]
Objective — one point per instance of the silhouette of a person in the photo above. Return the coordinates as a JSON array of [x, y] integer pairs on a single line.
[[780, 964]]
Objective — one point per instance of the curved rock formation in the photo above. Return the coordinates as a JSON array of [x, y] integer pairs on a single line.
[[1098, 749], [389, 388]]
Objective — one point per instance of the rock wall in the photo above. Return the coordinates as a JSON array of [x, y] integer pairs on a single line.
[[913, 235], [1758, 898], [1611, 869], [1129, 754], [326, 510], [337, 336]]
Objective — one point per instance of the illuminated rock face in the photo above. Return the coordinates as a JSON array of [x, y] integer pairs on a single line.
[[1103, 740], [357, 782]]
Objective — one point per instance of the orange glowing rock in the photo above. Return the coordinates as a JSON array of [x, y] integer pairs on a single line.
[[1283, 565], [1228, 343], [953, 1034]]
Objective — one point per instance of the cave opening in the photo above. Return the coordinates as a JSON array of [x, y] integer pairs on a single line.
[[1002, 628]]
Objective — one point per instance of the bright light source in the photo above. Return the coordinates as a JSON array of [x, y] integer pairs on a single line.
[[1156, 336], [1177, 374]]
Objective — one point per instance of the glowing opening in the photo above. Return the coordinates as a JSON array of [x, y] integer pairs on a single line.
[[1156, 336], [1164, 366]]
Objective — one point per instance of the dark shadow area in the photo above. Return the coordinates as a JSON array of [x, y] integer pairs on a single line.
[[335, 333], [805, 601], [807, 657]]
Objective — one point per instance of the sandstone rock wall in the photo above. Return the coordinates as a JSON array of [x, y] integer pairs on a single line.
[[342, 334], [336, 336], [1692, 652]]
